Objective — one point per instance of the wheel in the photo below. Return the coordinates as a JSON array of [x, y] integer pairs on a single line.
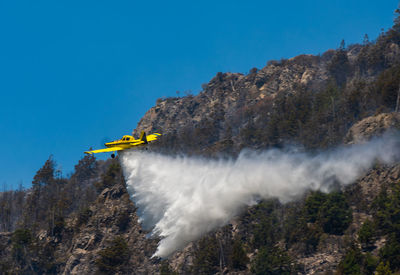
[[112, 155]]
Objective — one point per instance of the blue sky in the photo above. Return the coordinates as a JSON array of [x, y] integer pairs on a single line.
[[74, 74]]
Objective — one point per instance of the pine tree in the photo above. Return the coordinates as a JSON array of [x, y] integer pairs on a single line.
[[85, 168], [366, 40], [239, 257], [383, 269], [396, 25], [342, 46], [45, 175]]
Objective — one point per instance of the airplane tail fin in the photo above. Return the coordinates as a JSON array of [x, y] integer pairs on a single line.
[[143, 137]]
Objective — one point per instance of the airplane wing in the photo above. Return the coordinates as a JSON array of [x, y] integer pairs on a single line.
[[112, 149]]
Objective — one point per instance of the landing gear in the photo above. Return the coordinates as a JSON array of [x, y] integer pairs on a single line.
[[112, 156]]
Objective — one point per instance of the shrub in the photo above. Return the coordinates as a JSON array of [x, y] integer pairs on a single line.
[[165, 269], [112, 257], [335, 214], [387, 86], [370, 263], [20, 239], [111, 177], [123, 220], [391, 252], [339, 67], [272, 261], [387, 211], [330, 211], [366, 233], [351, 262], [355, 262], [297, 230], [84, 216], [383, 269], [86, 168], [239, 258], [206, 258], [313, 205], [266, 230], [5, 267], [58, 226]]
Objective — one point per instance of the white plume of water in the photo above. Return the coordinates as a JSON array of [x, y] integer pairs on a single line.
[[182, 198]]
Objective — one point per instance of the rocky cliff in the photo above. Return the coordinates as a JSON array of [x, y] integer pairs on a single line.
[[86, 224], [282, 102]]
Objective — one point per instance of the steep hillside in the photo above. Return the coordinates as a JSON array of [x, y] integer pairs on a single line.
[[87, 224], [283, 102], [296, 238]]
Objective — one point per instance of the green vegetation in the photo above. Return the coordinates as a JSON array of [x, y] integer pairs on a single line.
[[387, 219], [370, 263], [207, 257], [86, 168], [387, 86], [112, 258], [213, 254], [272, 261], [351, 262], [20, 240], [383, 269], [391, 252], [356, 262], [265, 230], [321, 213], [45, 175], [239, 258], [330, 211], [298, 231], [84, 216], [316, 115], [123, 220], [339, 66], [335, 214], [165, 269], [366, 233], [313, 205], [387, 210], [111, 177], [5, 268]]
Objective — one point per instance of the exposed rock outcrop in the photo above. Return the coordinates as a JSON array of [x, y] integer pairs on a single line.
[[373, 126], [113, 214], [306, 99]]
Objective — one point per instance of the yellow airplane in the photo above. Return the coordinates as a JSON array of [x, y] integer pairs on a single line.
[[126, 142]]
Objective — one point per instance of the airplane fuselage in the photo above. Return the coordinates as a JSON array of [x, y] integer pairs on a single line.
[[125, 142]]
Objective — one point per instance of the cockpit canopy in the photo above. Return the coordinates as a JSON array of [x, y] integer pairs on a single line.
[[126, 138]]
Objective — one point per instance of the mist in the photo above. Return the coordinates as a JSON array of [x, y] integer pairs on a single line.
[[181, 198]]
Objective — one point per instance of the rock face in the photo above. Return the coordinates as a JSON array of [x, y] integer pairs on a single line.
[[284, 102], [228, 96], [86, 244], [373, 126], [316, 99], [112, 214]]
